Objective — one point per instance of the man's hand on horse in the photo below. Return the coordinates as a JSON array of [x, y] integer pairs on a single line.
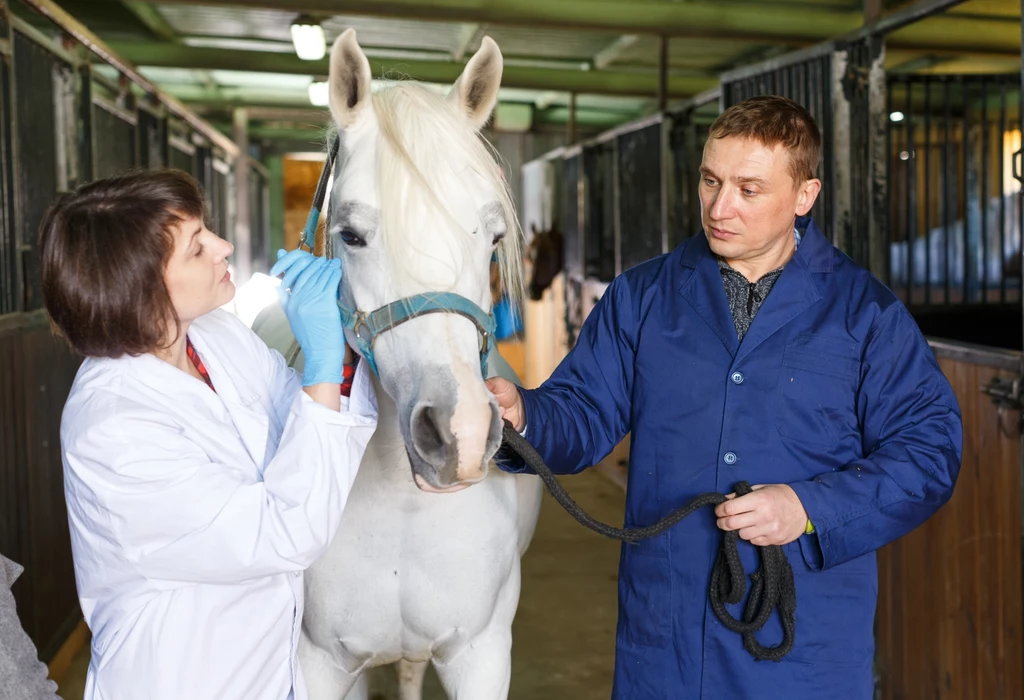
[[509, 401], [769, 514]]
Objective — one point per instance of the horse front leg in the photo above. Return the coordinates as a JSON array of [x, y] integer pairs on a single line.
[[410, 679], [482, 670], [325, 678]]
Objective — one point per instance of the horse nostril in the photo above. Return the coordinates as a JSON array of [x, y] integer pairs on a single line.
[[427, 436]]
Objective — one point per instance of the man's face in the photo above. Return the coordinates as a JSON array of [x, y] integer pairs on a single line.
[[749, 202]]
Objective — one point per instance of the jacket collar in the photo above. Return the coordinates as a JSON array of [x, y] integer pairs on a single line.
[[815, 250], [795, 290]]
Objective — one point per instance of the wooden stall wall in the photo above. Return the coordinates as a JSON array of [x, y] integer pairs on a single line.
[[36, 372], [949, 623]]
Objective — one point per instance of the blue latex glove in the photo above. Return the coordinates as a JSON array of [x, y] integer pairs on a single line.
[[311, 306]]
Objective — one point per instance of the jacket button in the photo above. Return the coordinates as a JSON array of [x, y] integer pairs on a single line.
[[737, 378], [730, 458]]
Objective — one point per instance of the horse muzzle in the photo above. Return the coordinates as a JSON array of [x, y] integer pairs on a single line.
[[451, 431]]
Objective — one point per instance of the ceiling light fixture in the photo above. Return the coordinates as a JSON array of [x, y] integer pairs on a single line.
[[318, 94], [308, 38]]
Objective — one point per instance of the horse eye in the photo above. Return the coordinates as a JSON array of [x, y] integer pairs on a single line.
[[350, 237], [497, 239]]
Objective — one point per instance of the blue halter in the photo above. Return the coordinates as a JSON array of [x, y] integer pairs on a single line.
[[368, 326]]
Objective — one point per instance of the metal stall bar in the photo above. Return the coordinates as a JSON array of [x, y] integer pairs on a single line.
[[983, 176], [945, 197], [151, 136], [968, 184], [927, 189], [10, 268], [1002, 186], [910, 206]]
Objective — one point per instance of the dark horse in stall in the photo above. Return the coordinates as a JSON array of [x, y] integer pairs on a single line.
[[546, 257]]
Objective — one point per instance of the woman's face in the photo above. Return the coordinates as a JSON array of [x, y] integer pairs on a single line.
[[196, 275]]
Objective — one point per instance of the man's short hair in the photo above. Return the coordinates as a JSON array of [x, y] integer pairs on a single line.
[[103, 251], [775, 121]]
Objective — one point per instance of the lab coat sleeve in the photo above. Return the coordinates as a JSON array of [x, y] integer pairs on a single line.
[[582, 411], [912, 435], [179, 516]]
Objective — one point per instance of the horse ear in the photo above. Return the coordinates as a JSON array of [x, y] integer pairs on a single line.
[[476, 90], [349, 79]]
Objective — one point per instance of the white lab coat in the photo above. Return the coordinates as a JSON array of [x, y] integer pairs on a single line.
[[193, 515]]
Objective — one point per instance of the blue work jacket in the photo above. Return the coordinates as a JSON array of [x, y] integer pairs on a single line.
[[833, 390]]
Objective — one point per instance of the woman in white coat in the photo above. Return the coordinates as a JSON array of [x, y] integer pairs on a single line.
[[202, 475]]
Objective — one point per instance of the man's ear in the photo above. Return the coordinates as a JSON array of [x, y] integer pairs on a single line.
[[806, 196]]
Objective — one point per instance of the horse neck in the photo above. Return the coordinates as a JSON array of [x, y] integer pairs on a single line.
[[391, 461]]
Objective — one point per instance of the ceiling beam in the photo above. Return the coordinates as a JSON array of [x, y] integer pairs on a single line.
[[151, 17], [606, 56], [466, 38], [693, 18], [564, 80], [707, 19]]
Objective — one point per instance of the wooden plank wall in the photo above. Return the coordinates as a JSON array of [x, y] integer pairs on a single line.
[[949, 623], [36, 372]]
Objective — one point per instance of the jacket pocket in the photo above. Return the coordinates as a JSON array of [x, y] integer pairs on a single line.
[[835, 610], [645, 597], [817, 388]]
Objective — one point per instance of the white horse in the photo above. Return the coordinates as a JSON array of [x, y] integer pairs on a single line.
[[418, 573]]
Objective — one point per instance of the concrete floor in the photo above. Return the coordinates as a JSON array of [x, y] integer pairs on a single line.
[[564, 632]]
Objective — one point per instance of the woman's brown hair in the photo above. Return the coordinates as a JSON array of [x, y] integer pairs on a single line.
[[103, 251]]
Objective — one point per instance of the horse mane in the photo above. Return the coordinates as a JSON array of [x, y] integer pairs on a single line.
[[423, 134]]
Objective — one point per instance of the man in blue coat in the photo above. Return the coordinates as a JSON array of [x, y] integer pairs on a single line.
[[756, 352]]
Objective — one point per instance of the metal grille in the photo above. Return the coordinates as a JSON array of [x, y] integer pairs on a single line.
[[152, 131], [640, 195], [221, 200], [113, 138], [599, 211], [809, 82], [861, 218], [686, 148], [10, 279], [203, 172], [954, 205], [36, 134], [182, 160]]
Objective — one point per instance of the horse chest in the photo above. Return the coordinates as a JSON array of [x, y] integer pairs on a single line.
[[410, 571]]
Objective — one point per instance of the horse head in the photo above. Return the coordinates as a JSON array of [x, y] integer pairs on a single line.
[[419, 209]]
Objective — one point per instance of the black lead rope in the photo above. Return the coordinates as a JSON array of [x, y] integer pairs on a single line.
[[772, 588]]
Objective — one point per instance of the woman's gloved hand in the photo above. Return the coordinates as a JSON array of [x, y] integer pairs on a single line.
[[309, 295]]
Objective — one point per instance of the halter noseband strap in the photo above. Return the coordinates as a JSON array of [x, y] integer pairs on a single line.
[[366, 327]]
